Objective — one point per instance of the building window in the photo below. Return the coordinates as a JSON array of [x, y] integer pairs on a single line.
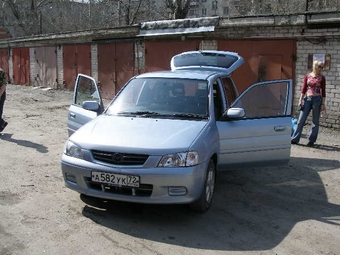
[[192, 13], [204, 12], [225, 10], [214, 5]]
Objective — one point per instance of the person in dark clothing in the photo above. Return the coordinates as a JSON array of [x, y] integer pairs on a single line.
[[3, 83]]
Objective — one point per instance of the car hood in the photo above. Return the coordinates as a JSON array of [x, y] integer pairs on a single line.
[[143, 134]]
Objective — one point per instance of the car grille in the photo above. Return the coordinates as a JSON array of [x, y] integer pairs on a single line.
[[117, 158], [144, 190]]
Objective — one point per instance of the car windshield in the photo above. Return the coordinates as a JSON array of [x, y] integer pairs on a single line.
[[162, 97]]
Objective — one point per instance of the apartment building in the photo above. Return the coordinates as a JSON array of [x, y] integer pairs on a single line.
[[233, 8]]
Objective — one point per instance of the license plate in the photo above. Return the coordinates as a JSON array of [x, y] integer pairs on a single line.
[[116, 179]]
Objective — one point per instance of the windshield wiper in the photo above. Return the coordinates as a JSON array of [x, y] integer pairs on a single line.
[[150, 114], [138, 113], [189, 115]]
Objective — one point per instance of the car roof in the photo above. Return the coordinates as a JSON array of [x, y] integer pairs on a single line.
[[192, 73]]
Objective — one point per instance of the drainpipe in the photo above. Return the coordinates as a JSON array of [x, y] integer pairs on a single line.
[[306, 20], [40, 23]]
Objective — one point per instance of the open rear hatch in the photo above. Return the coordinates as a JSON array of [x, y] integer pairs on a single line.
[[224, 61]]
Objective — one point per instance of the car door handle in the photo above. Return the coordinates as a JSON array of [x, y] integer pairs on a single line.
[[279, 128], [72, 115]]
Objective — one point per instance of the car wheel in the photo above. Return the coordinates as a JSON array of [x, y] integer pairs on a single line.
[[205, 200]]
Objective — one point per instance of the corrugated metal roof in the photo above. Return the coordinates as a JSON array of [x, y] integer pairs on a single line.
[[180, 26], [171, 31]]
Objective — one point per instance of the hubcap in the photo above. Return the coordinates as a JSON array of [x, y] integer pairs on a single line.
[[209, 188]]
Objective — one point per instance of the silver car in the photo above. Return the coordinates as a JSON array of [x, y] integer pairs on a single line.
[[164, 136]]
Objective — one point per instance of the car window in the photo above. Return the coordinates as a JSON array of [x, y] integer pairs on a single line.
[[264, 100], [219, 103], [162, 96], [229, 90], [86, 91], [221, 61], [201, 58]]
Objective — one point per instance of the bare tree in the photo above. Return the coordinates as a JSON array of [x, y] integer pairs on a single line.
[[284, 7], [179, 8], [32, 17]]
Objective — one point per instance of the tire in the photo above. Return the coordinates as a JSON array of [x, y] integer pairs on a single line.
[[204, 202]]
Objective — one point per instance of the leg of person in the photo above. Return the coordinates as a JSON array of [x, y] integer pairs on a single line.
[[3, 123], [2, 101], [313, 135], [307, 106]]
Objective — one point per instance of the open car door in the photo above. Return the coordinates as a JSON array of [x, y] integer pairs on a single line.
[[86, 105], [256, 130]]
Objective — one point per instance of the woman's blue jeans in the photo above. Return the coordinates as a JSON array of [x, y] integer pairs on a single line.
[[310, 104], [2, 101]]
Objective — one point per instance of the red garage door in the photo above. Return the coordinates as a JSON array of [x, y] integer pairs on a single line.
[[76, 59], [4, 61], [115, 67], [21, 66], [45, 67], [264, 60], [158, 54]]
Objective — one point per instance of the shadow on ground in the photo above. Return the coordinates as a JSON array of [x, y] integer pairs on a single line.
[[252, 210], [39, 147]]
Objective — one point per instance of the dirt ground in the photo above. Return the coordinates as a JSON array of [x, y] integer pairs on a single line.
[[293, 209]]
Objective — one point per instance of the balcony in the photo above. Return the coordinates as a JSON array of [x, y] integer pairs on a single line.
[[193, 3]]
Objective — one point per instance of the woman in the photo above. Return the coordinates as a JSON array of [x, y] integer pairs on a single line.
[[312, 98], [3, 83]]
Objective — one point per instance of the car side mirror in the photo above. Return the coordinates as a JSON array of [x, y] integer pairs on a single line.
[[91, 106], [233, 113]]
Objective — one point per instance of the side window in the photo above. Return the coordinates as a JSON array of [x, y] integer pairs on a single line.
[[86, 91], [219, 103], [264, 100], [229, 89]]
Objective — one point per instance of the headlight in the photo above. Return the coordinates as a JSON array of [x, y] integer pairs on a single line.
[[188, 158], [73, 150]]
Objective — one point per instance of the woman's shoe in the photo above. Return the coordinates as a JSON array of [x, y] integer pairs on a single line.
[[310, 144], [3, 126]]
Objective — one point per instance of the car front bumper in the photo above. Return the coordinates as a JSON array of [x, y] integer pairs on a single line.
[[180, 185]]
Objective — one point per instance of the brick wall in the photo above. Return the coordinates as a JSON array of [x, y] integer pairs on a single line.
[[32, 66], [94, 61], [329, 46], [208, 45], [60, 67]]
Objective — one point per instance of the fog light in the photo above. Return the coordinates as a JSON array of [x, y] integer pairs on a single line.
[[177, 191], [71, 178]]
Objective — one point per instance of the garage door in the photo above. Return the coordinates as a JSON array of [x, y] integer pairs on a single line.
[[76, 59], [264, 60], [158, 54], [115, 67]]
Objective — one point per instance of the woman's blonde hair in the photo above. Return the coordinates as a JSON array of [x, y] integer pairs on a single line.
[[316, 64]]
